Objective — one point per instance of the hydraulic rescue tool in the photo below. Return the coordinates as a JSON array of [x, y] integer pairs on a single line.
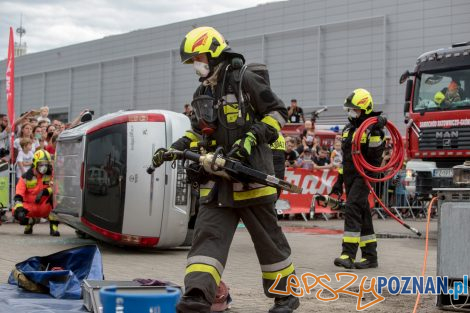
[[329, 201], [232, 169]]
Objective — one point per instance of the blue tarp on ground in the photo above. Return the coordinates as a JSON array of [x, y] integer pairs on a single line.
[[61, 273], [17, 300]]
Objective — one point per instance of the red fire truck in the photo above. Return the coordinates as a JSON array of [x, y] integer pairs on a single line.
[[437, 114]]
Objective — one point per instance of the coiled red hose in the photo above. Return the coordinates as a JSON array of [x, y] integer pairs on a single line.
[[390, 169]]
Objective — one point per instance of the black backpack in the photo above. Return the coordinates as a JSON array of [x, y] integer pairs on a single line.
[[239, 70]]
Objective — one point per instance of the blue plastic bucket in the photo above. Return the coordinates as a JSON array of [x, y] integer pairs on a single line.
[[114, 301]]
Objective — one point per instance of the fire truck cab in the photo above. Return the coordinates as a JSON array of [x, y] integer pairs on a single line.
[[437, 115]]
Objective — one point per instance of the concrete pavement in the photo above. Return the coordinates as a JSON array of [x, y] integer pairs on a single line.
[[314, 246]]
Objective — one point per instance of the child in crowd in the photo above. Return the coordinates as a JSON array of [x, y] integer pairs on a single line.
[[337, 155], [323, 160], [309, 130], [306, 161], [25, 157], [44, 111]]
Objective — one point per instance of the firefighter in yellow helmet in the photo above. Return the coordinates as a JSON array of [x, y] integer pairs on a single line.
[[358, 228], [234, 107], [33, 198]]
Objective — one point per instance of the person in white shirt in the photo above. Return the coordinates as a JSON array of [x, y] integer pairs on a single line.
[[25, 132], [25, 157]]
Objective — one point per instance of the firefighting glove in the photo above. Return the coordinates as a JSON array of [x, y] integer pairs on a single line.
[[157, 159], [20, 214], [43, 193], [160, 156], [242, 147]]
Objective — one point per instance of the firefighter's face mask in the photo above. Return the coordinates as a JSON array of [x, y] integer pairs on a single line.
[[43, 168], [205, 112], [202, 69], [354, 113]]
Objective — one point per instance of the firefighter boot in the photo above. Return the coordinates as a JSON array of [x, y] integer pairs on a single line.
[[344, 261], [369, 254], [285, 305], [28, 229], [365, 263], [54, 228], [193, 303]]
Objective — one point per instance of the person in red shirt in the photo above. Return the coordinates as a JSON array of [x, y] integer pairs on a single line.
[[33, 198], [51, 146]]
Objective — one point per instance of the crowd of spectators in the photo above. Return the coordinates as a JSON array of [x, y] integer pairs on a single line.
[[34, 130], [307, 152]]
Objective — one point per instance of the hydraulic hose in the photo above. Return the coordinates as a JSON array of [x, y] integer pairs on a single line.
[[391, 168], [425, 259]]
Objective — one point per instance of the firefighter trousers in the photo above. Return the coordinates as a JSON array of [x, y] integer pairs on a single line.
[[213, 234], [358, 227]]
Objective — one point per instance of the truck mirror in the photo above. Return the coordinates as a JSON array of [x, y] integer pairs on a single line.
[[404, 77], [409, 88], [406, 108]]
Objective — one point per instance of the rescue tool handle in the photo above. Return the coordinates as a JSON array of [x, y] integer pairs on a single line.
[[233, 151]]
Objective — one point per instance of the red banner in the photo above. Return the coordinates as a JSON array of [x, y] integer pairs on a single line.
[[312, 182], [10, 87]]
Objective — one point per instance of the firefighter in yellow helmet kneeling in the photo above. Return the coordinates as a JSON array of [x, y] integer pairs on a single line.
[[234, 108], [358, 227], [33, 198]]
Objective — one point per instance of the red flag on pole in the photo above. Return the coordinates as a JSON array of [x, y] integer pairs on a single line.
[[10, 88]]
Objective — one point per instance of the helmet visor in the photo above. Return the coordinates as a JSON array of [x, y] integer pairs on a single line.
[[348, 102], [43, 163]]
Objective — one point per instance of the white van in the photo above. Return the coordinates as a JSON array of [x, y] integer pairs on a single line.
[[101, 186]]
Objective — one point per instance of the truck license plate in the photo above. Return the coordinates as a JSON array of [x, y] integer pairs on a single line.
[[443, 172]]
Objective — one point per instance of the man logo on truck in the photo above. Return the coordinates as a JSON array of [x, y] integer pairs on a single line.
[[448, 137]]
